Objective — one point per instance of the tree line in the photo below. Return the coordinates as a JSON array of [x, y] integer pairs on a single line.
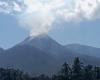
[[77, 71]]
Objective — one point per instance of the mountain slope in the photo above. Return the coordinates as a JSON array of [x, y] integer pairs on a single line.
[[84, 49], [27, 58], [41, 55], [50, 46], [44, 43], [1, 50]]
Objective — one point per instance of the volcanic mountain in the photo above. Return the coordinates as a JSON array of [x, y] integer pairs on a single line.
[[41, 54]]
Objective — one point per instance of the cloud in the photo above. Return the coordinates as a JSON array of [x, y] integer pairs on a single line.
[[9, 7], [87, 8], [38, 16]]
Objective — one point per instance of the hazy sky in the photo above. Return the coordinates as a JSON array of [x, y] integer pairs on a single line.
[[84, 33], [66, 25]]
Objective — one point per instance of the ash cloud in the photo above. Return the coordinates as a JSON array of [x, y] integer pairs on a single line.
[[38, 16]]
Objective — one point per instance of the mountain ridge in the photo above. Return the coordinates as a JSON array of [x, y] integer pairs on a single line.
[[84, 49]]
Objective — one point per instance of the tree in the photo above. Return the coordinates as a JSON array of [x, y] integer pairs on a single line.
[[65, 72], [43, 77], [89, 73], [97, 73], [77, 70]]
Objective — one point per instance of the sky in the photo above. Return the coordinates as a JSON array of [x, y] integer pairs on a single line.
[[69, 24]]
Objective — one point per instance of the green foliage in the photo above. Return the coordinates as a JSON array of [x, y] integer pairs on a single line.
[[75, 72], [65, 72], [89, 73], [78, 72], [97, 73]]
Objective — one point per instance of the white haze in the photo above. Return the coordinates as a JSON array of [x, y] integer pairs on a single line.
[[38, 16]]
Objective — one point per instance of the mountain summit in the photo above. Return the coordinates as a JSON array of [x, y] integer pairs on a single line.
[[41, 54], [44, 43]]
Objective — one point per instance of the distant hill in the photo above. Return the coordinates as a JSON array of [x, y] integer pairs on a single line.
[[41, 54], [84, 49]]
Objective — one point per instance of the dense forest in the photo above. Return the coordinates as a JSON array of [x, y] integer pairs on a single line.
[[77, 71]]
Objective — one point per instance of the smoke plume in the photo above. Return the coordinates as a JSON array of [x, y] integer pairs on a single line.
[[38, 16]]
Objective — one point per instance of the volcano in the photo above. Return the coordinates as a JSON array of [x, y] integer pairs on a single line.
[[41, 54]]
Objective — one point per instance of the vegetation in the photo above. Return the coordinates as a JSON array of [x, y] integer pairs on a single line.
[[77, 71]]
